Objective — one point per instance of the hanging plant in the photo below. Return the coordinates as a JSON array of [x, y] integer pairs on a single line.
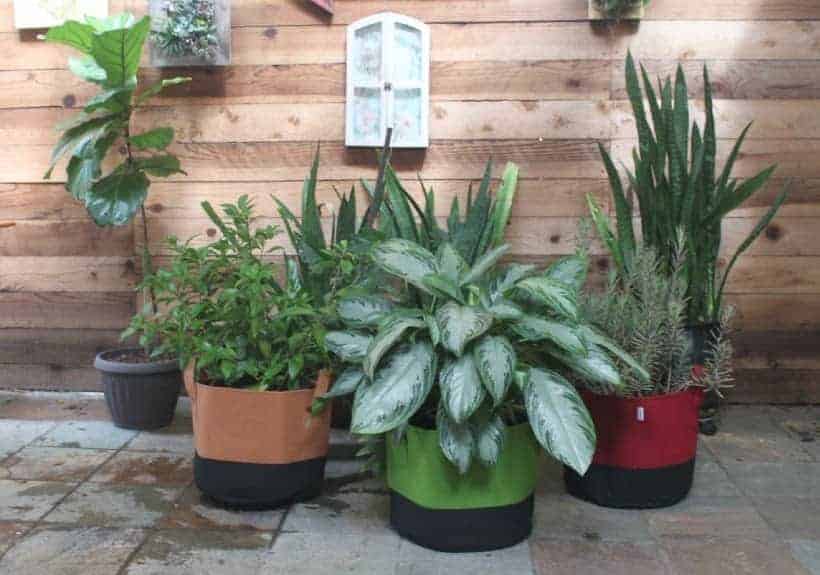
[[617, 9]]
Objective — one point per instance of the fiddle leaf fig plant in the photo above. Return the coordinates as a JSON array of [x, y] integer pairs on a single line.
[[111, 50], [449, 355]]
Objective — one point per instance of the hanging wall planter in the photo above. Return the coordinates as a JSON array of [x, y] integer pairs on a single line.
[[645, 457], [435, 506], [258, 449], [616, 9], [190, 33]]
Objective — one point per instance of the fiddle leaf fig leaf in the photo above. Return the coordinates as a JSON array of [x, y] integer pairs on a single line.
[[87, 69], [156, 139], [495, 361], [161, 166], [113, 200], [397, 392], [118, 51], [559, 419], [72, 33], [460, 324], [461, 390]]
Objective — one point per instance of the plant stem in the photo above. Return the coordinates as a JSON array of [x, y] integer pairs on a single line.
[[378, 193]]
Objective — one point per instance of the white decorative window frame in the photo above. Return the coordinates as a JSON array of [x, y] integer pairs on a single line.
[[387, 86]]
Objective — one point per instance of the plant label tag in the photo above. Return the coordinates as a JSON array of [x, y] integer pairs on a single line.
[[640, 415]]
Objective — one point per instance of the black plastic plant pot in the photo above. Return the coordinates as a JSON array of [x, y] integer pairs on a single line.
[[258, 449], [487, 508], [645, 456], [140, 395]]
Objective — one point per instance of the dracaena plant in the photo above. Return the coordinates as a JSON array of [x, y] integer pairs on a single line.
[[445, 353], [225, 306], [111, 50], [682, 197]]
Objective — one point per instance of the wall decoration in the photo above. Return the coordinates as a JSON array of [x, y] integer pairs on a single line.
[[48, 13], [616, 9], [388, 81], [326, 5], [190, 33]]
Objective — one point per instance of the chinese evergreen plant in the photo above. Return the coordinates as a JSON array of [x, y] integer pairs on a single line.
[[111, 50], [188, 28], [682, 197], [224, 306], [444, 353]]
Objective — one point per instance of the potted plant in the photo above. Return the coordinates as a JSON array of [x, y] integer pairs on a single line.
[[682, 201], [141, 386], [437, 364], [648, 428], [616, 9], [191, 33], [253, 346]]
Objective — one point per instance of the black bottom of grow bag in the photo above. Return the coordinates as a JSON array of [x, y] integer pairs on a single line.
[[632, 488], [254, 486], [461, 530]]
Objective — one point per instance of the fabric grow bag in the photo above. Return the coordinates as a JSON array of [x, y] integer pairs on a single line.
[[645, 456], [434, 506], [258, 449]]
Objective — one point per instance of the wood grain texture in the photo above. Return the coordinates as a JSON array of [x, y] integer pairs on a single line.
[[529, 81]]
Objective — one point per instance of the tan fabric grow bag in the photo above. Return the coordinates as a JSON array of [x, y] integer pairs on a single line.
[[267, 427]]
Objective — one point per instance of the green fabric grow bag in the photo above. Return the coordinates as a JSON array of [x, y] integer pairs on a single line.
[[435, 506]]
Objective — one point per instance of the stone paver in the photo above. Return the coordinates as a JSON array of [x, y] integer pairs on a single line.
[[146, 468], [87, 434], [55, 463], [188, 552], [16, 434], [29, 500], [114, 505], [78, 495], [194, 511], [71, 551], [807, 552]]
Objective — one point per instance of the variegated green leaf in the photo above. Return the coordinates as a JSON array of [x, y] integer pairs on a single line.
[[461, 390], [507, 279], [504, 309], [432, 329], [456, 441], [346, 383], [570, 271], [461, 324], [533, 328], [489, 439], [550, 293], [495, 361], [450, 262], [349, 346], [604, 342], [363, 310], [397, 392], [559, 419], [596, 366], [484, 264], [390, 332], [405, 259]]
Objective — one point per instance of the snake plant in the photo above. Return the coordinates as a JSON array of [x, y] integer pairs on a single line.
[[444, 353], [682, 197]]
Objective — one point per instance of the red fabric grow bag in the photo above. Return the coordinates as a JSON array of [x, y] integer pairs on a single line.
[[646, 449]]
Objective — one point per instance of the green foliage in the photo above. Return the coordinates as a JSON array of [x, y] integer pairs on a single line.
[[682, 199], [644, 313], [188, 28], [445, 353], [617, 9], [111, 51], [224, 306]]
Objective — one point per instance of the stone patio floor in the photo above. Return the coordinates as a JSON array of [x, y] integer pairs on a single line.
[[79, 496]]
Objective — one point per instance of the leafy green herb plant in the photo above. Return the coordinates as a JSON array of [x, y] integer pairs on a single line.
[[445, 353], [682, 197], [111, 50], [225, 306]]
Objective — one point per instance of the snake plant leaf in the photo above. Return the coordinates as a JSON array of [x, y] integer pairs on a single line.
[[350, 346], [118, 51], [601, 221], [456, 441], [733, 198], [570, 271], [347, 383], [390, 332], [489, 439], [599, 340], [460, 324], [559, 419], [502, 208], [532, 328], [406, 260], [347, 217], [461, 389], [495, 362], [554, 295], [115, 199], [397, 392], [364, 310], [468, 239], [484, 264], [311, 226], [399, 207]]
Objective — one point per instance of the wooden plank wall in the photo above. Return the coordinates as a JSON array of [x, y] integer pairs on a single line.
[[529, 81]]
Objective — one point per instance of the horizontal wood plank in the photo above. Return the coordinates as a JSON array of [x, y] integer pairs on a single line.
[[780, 386], [65, 238], [66, 309], [49, 378], [64, 347], [69, 274]]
